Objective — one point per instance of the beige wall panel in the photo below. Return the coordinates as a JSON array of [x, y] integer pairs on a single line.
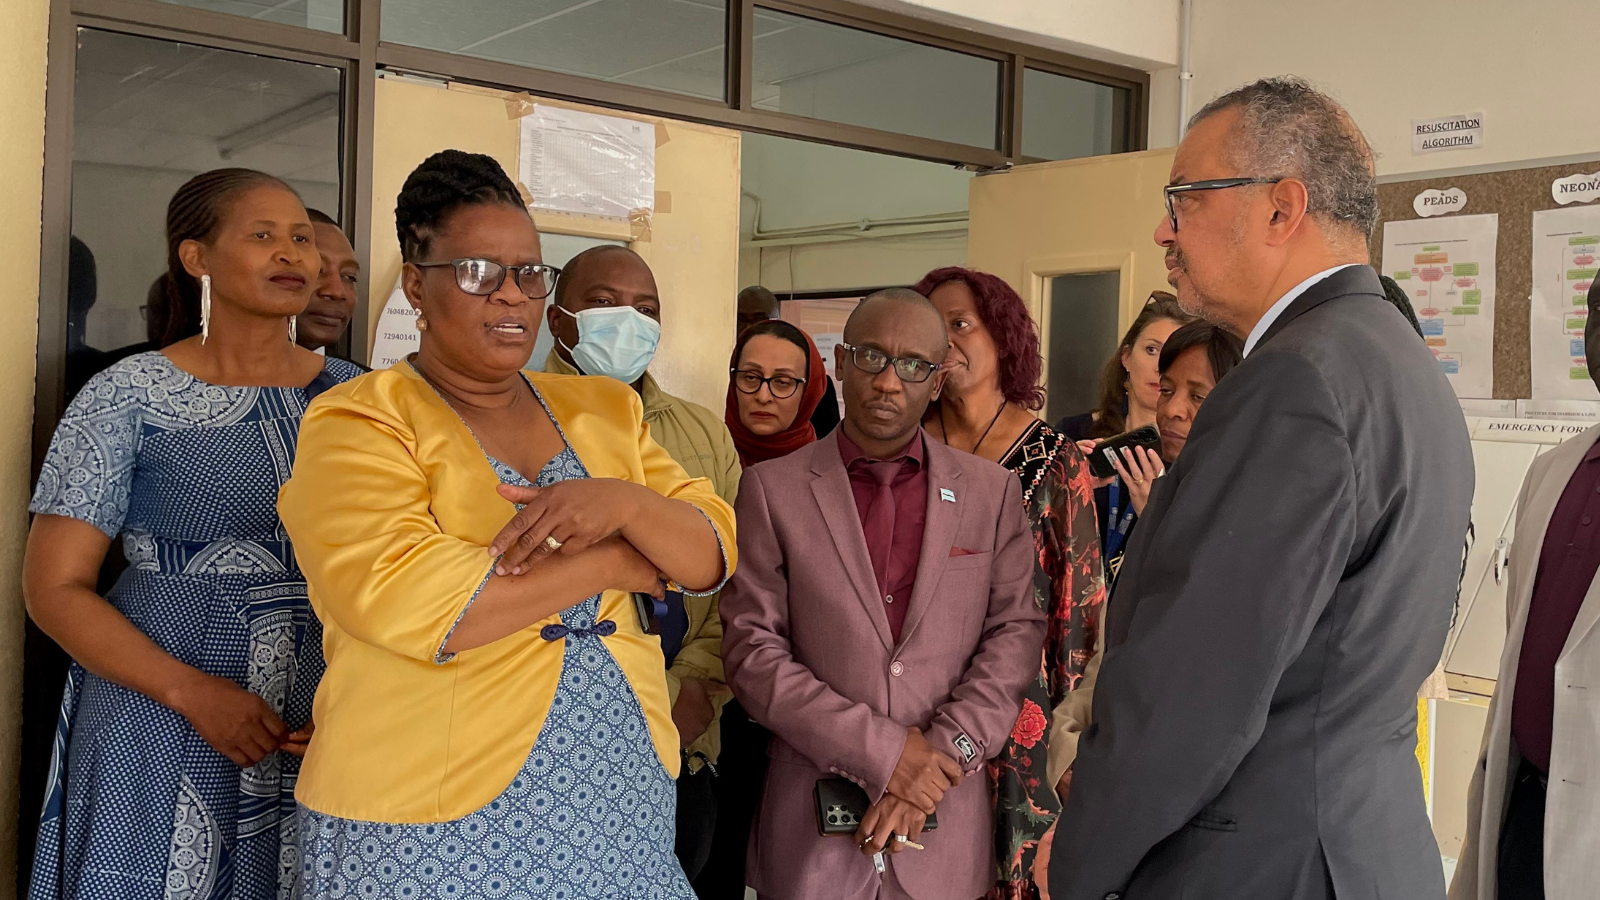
[[1082, 215], [693, 248], [22, 71]]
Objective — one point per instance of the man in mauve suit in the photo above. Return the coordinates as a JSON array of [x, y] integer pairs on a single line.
[[882, 624], [1292, 578]]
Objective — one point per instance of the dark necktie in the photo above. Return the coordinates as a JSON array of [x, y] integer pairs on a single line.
[[880, 521]]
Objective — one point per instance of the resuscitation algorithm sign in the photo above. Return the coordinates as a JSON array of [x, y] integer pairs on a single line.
[[1462, 132]]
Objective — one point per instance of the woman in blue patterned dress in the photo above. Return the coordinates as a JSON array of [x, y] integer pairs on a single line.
[[189, 696], [491, 726]]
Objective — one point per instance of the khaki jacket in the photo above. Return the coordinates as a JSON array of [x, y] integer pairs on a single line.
[[699, 441]]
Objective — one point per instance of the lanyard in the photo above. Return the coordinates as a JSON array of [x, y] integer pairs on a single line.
[[1117, 529]]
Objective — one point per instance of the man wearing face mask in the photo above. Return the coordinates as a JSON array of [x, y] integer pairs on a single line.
[[606, 320]]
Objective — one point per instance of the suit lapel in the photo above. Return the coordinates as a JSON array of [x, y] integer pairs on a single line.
[[831, 487], [938, 533], [1534, 521], [1560, 472]]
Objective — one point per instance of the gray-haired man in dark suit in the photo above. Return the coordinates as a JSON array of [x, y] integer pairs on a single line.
[[1292, 579]]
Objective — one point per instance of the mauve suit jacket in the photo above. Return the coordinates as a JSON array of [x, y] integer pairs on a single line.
[[809, 653]]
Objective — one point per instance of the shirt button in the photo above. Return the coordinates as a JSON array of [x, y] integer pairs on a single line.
[[1586, 520], [897, 668], [889, 598]]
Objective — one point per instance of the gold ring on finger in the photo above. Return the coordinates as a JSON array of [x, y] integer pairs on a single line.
[[551, 542]]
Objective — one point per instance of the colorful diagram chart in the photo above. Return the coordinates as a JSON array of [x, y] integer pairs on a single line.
[[1566, 260], [1446, 266]]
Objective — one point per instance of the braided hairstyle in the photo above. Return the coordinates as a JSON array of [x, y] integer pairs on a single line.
[[443, 183], [193, 215]]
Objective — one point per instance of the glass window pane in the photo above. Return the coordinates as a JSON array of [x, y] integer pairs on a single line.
[[1065, 118], [323, 15], [147, 116], [1083, 335], [822, 71], [669, 45]]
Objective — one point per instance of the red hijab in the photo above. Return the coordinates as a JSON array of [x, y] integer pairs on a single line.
[[752, 447]]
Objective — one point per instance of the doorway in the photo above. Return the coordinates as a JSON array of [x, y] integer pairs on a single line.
[[1083, 333]]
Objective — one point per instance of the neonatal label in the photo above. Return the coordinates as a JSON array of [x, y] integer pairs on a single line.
[[1459, 132], [1437, 202], [1576, 189]]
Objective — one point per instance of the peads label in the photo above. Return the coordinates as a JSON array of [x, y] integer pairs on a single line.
[[1437, 202]]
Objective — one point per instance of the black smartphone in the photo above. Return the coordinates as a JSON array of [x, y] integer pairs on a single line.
[[650, 611], [841, 805], [1104, 452]]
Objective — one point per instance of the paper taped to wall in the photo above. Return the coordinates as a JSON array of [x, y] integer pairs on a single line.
[[397, 335], [1566, 247], [586, 163], [1446, 267]]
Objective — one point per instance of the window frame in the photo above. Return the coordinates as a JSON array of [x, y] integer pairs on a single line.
[[360, 54]]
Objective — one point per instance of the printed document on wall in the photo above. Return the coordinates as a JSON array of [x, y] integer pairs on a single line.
[[586, 163], [1446, 266], [397, 336], [1566, 245]]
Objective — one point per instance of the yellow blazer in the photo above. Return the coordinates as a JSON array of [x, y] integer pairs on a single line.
[[391, 508]]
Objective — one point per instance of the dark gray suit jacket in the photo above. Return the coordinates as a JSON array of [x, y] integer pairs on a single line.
[[1286, 593]]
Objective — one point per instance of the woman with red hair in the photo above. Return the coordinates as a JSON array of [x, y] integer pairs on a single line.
[[987, 407]]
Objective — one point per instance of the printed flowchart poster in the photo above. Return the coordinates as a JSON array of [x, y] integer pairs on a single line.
[[1566, 247], [1446, 266]]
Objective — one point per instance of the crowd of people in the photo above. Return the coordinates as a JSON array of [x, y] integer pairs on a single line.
[[459, 628]]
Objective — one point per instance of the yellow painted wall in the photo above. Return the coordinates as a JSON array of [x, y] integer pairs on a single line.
[[1081, 215], [22, 70], [693, 240]]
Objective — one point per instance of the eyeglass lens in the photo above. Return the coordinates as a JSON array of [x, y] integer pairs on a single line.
[[483, 276], [911, 371], [781, 386]]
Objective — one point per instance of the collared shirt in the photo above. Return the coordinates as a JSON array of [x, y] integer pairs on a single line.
[[1567, 564], [1276, 310], [903, 549]]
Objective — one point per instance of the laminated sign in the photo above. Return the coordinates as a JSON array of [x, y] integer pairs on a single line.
[[1462, 132]]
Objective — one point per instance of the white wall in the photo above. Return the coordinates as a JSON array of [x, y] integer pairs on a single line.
[[1529, 67], [1139, 33]]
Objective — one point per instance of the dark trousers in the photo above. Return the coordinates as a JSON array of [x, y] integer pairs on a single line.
[[697, 818], [741, 776], [1521, 875]]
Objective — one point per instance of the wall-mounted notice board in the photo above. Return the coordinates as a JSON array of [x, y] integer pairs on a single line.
[[1514, 194]]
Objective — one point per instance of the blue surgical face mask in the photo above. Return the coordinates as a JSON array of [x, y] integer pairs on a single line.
[[615, 341]]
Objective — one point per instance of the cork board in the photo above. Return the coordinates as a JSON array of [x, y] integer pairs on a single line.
[[1515, 194]]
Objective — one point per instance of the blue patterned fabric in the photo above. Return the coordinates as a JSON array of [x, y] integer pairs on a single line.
[[591, 814], [138, 805]]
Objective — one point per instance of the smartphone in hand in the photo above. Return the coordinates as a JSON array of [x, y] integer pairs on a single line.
[[1100, 461]]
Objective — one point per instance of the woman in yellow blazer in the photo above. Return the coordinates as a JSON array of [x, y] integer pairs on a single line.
[[489, 725]]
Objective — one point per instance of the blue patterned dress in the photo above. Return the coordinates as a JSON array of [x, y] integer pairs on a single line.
[[138, 805], [591, 814]]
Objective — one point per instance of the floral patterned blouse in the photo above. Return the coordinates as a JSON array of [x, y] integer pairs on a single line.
[[1069, 586]]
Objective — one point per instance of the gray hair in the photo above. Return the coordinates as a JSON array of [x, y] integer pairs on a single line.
[[1288, 129]]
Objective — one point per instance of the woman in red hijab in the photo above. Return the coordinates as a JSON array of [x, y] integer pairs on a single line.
[[776, 380]]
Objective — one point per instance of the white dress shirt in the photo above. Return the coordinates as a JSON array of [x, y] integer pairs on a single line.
[[1277, 309]]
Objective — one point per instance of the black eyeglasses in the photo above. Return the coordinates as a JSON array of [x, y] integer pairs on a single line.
[[909, 369], [1215, 184], [485, 276], [781, 386]]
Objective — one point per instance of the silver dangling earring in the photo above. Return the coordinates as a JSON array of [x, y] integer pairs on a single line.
[[291, 328], [205, 308]]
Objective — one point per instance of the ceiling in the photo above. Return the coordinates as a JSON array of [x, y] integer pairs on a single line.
[[159, 104]]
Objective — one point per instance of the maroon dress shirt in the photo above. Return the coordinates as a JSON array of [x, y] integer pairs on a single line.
[[1567, 563], [893, 530]]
